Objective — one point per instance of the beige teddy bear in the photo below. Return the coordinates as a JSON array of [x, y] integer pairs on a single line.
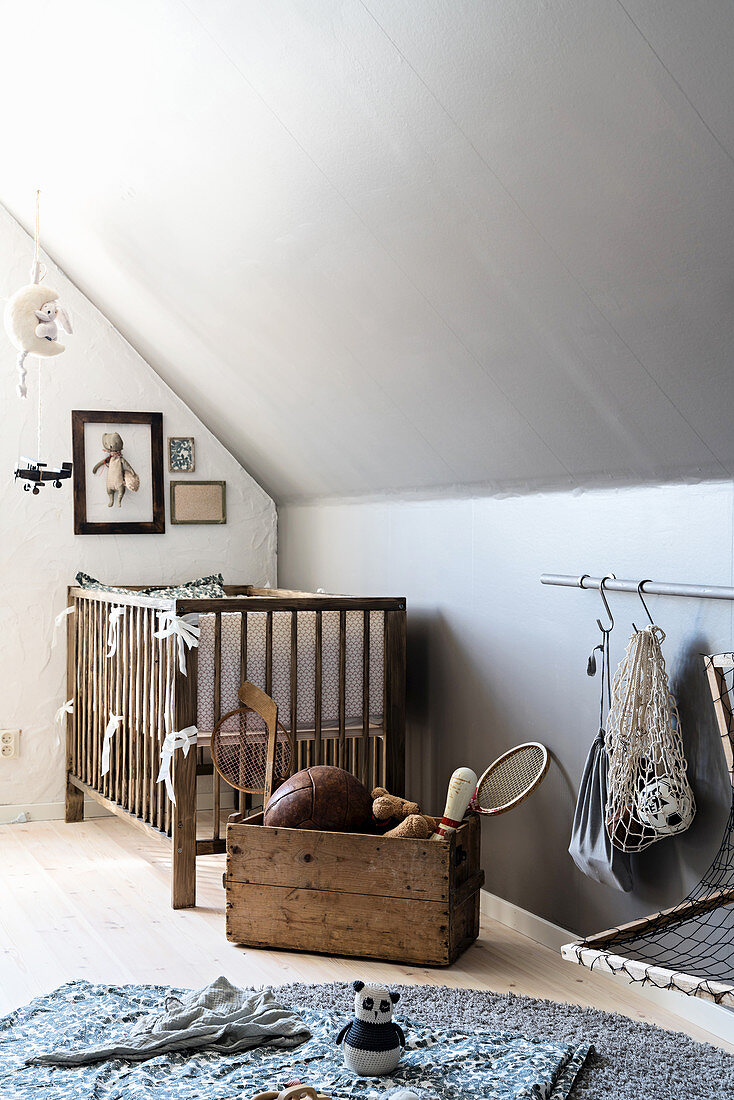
[[120, 474], [412, 824]]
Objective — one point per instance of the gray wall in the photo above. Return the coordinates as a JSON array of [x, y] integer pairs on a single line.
[[496, 659]]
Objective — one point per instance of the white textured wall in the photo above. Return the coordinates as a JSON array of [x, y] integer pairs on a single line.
[[39, 553], [495, 659]]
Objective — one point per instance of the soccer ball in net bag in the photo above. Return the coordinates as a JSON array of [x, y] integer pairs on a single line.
[[664, 807]]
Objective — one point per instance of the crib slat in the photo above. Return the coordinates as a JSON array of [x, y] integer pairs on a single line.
[[172, 664], [82, 682], [159, 731], [393, 706], [294, 690], [119, 671], [244, 799], [268, 653], [90, 699], [365, 746], [95, 695], [92, 721], [243, 647], [155, 673], [114, 707], [96, 713], [72, 687], [123, 730], [107, 707], [342, 755], [133, 716], [128, 729], [100, 674], [318, 700], [135, 707], [145, 641], [162, 796], [216, 781]]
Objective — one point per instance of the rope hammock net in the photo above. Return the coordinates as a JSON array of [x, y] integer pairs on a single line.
[[690, 947]]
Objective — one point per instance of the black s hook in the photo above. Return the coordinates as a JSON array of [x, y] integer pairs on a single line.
[[642, 601], [606, 629]]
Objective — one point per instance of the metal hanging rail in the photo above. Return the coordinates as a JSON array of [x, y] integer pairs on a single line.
[[652, 588]]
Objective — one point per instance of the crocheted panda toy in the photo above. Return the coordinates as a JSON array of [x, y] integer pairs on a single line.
[[372, 1042]]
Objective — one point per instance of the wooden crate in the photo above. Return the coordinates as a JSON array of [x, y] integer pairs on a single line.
[[409, 901]]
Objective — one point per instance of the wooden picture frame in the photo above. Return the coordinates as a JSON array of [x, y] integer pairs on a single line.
[[86, 507], [190, 503], [175, 465]]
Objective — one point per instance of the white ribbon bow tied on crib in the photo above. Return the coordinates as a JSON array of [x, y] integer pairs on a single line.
[[61, 713], [65, 708], [187, 634], [109, 733], [59, 620], [113, 630], [176, 739]]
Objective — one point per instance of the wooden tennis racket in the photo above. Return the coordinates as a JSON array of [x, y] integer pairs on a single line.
[[250, 748], [511, 779]]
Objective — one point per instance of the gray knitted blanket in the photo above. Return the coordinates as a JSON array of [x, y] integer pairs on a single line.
[[218, 1017]]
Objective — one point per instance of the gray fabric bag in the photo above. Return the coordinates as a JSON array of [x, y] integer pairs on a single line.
[[591, 849]]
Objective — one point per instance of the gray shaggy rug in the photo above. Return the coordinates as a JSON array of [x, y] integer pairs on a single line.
[[630, 1060]]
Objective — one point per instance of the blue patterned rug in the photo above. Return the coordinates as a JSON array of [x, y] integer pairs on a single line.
[[439, 1062]]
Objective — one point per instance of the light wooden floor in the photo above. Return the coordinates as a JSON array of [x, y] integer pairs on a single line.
[[92, 901]]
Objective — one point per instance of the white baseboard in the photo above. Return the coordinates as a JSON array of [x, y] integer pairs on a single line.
[[54, 811], [46, 811], [712, 1018]]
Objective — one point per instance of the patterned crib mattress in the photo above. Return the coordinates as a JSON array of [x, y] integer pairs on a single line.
[[232, 672]]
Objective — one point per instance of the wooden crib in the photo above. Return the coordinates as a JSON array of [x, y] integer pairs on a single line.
[[343, 704]]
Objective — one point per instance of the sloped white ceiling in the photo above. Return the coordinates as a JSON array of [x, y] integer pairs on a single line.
[[399, 244]]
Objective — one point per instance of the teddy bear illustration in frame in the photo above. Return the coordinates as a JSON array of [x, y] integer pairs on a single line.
[[118, 472]]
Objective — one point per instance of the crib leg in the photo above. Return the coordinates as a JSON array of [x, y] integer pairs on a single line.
[[183, 813], [74, 803], [183, 882]]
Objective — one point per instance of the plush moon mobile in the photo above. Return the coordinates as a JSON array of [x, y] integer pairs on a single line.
[[33, 317]]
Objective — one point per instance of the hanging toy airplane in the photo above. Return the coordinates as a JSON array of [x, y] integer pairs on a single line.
[[36, 474]]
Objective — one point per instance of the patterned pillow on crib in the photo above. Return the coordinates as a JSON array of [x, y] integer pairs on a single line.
[[205, 587]]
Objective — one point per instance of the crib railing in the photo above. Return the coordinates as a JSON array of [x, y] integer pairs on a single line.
[[141, 690]]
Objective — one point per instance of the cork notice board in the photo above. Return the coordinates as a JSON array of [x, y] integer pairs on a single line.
[[198, 502]]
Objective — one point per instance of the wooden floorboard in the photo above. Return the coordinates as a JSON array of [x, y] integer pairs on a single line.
[[92, 900]]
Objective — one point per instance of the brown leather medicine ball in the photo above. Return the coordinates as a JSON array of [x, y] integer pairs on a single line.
[[320, 797]]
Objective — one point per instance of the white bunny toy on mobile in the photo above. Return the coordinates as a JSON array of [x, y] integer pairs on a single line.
[[48, 314]]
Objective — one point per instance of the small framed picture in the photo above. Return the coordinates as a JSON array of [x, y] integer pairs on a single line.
[[118, 473], [181, 454], [198, 502]]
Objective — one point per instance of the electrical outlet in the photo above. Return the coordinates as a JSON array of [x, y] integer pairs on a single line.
[[9, 743]]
